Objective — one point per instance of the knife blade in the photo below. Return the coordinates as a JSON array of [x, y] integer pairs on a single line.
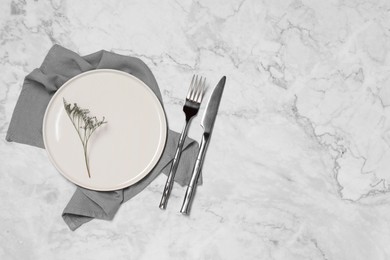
[[208, 121], [210, 113]]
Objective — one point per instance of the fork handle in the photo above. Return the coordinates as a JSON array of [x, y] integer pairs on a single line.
[[175, 164], [190, 192]]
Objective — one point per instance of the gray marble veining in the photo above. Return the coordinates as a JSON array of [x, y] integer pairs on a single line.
[[298, 167]]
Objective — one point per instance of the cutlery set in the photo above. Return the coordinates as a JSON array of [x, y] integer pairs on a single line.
[[191, 107]]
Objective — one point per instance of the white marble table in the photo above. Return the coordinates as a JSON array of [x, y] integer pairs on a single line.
[[299, 164]]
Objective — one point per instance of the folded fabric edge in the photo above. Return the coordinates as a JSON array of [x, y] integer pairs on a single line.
[[10, 138], [75, 222], [50, 54], [10, 135]]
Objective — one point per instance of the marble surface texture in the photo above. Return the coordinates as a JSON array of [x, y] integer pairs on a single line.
[[299, 163]]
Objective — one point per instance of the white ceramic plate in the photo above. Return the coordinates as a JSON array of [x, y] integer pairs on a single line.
[[120, 152]]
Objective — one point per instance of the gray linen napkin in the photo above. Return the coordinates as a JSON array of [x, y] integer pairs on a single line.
[[25, 127]]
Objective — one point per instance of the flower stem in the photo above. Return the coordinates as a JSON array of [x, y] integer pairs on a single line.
[[86, 159]]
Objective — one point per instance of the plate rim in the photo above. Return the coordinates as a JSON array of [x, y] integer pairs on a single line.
[[141, 175]]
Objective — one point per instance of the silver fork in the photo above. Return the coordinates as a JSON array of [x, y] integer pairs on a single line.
[[191, 108]]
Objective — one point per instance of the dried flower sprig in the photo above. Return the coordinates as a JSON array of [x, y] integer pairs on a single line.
[[84, 124]]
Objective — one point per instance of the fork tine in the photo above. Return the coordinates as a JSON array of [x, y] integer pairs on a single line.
[[191, 87], [198, 90], [191, 90], [201, 90], [194, 88]]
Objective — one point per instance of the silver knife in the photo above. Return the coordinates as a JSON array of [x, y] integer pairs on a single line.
[[207, 123]]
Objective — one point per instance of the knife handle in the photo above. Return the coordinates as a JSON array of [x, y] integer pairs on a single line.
[[172, 171], [191, 189]]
